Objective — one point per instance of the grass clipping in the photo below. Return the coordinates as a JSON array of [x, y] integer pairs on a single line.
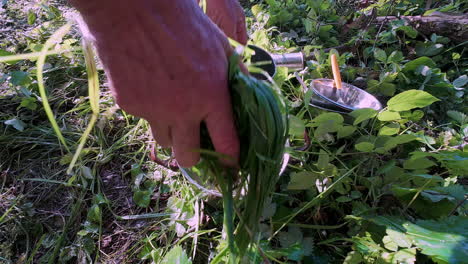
[[259, 112]]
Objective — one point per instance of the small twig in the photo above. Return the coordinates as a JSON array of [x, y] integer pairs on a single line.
[[169, 163], [458, 205]]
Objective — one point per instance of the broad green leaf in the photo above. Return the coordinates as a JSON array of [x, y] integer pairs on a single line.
[[303, 180], [7, 53], [296, 126], [395, 57], [20, 78], [142, 198], [418, 164], [380, 55], [428, 48], [29, 103], [410, 99], [460, 117], [441, 204], [387, 89], [256, 9], [346, 131], [411, 66], [291, 237], [281, 76], [389, 130], [409, 31], [416, 115], [353, 257], [364, 114], [343, 199], [31, 17], [16, 123], [388, 116], [176, 255], [389, 243], [94, 214], [397, 140], [460, 81], [407, 256], [365, 146], [444, 240], [399, 238], [323, 160], [326, 117]]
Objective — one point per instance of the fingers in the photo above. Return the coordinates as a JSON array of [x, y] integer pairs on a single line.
[[162, 134], [223, 132], [186, 143]]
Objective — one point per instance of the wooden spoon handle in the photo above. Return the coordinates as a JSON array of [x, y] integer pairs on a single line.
[[336, 71]]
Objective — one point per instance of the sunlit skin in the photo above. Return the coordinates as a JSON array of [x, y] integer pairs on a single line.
[[166, 61]]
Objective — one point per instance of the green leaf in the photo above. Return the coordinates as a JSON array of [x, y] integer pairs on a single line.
[[387, 89], [444, 240], [327, 117], [176, 256], [346, 131], [460, 81], [388, 116], [7, 53], [380, 55], [460, 117], [94, 214], [293, 236], [416, 115], [410, 99], [395, 57], [323, 160], [389, 243], [303, 180], [16, 123], [343, 199], [399, 238], [414, 64], [20, 78], [365, 146], [407, 256], [389, 130], [31, 17], [409, 31], [428, 49], [364, 114], [418, 164], [142, 198], [29, 103], [353, 257], [398, 140], [296, 126]]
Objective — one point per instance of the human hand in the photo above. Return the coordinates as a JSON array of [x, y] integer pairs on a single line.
[[230, 17], [169, 69]]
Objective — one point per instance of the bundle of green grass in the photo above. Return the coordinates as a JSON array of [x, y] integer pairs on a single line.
[[262, 127]]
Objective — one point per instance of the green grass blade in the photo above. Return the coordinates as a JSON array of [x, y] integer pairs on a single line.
[[34, 55], [40, 80], [93, 90]]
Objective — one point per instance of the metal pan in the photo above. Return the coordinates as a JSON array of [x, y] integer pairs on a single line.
[[348, 98]]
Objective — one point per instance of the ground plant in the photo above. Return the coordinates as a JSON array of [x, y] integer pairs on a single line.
[[81, 182]]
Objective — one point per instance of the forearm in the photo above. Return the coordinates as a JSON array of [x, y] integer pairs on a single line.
[[162, 29], [106, 16]]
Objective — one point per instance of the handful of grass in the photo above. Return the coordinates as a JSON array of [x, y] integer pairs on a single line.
[[262, 128]]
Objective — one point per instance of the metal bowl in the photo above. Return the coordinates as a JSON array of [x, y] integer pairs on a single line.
[[346, 99]]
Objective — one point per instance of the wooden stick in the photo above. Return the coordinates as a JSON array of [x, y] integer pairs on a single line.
[[336, 72]]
